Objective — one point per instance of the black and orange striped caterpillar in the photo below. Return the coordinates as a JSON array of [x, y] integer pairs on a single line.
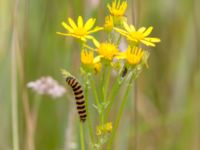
[[79, 96]]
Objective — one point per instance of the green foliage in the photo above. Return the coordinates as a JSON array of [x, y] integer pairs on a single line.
[[168, 92]]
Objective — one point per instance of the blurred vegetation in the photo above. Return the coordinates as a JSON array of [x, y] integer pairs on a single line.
[[168, 92]]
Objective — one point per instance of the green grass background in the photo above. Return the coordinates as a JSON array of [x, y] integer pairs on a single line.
[[168, 92]]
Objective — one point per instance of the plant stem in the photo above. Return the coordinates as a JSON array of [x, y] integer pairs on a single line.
[[97, 100], [135, 115], [15, 134], [107, 80], [103, 93], [119, 39], [88, 114], [103, 83], [36, 108], [87, 46], [82, 137], [113, 94], [95, 93], [119, 115], [14, 100]]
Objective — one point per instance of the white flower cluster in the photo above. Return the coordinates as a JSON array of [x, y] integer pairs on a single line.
[[47, 85]]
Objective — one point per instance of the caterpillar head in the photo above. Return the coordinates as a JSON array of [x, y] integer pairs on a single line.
[[65, 73]]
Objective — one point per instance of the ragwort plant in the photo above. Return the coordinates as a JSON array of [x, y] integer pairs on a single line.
[[100, 58]]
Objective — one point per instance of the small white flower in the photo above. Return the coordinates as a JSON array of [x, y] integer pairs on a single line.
[[47, 85]]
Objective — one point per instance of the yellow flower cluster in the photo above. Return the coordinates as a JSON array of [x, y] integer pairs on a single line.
[[103, 129], [93, 57]]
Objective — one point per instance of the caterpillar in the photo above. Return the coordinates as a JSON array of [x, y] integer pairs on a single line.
[[79, 96]]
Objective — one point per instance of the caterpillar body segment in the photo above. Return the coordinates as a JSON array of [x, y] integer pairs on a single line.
[[79, 97]]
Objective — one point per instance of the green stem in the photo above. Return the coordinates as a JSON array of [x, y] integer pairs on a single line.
[[135, 116], [87, 46], [96, 97], [106, 85], [103, 83], [119, 115], [82, 136], [14, 102], [103, 92], [36, 107], [109, 37], [113, 94], [95, 93], [119, 39], [88, 114], [14, 99]]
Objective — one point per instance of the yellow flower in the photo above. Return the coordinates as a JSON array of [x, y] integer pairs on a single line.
[[97, 67], [80, 30], [103, 129], [87, 57], [133, 55], [98, 131], [106, 50], [117, 8], [109, 24], [139, 35], [108, 127]]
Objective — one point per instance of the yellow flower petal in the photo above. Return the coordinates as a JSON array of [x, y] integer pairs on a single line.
[[121, 31], [89, 37], [121, 55], [60, 33], [132, 28], [97, 59], [83, 39], [148, 43], [96, 43], [134, 55], [126, 26], [89, 24], [109, 7], [80, 22], [117, 8], [142, 29], [148, 31], [67, 27], [95, 29], [152, 39], [72, 23]]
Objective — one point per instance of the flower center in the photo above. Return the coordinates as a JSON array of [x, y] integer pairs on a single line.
[[117, 13], [80, 31], [133, 59], [107, 50], [137, 35]]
